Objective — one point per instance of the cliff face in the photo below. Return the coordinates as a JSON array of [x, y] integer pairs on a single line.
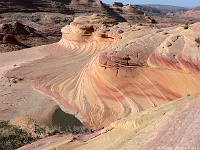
[[62, 6], [34, 6], [118, 12]]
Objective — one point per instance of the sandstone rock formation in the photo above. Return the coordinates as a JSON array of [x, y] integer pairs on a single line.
[[109, 75], [88, 25], [100, 83], [135, 84], [150, 129]]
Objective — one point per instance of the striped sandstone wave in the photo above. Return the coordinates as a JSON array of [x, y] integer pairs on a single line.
[[101, 79]]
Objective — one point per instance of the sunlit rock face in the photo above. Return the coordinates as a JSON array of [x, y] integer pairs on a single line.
[[101, 79]]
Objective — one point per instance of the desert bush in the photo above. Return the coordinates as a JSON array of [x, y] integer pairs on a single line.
[[186, 26], [52, 130], [197, 40], [11, 137], [16, 79], [77, 130]]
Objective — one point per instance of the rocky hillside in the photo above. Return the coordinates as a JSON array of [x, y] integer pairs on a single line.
[[130, 13], [34, 6], [149, 10], [49, 16], [197, 8], [120, 13], [161, 9]]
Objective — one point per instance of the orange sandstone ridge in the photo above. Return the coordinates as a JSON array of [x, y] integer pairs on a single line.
[[101, 71]]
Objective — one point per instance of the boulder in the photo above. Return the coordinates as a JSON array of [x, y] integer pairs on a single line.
[[16, 28], [9, 38]]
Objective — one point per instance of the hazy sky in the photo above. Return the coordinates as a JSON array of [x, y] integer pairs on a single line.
[[185, 3]]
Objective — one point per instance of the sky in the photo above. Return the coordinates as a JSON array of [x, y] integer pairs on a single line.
[[184, 3]]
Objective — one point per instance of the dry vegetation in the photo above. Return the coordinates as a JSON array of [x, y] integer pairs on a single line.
[[12, 137]]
